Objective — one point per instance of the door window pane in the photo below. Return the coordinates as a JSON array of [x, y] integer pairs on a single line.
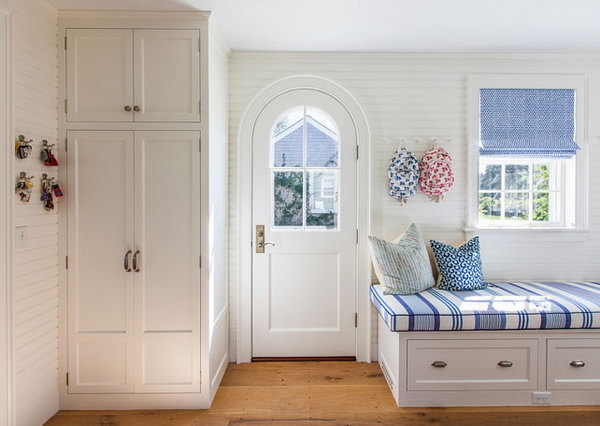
[[517, 177], [516, 206], [322, 147], [288, 139], [490, 206], [490, 177], [322, 196], [288, 204]]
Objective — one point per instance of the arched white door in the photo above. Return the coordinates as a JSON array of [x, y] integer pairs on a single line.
[[305, 225]]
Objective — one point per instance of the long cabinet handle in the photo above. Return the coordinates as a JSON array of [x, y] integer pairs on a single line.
[[126, 261], [135, 263]]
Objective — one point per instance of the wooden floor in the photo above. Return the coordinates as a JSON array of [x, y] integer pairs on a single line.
[[321, 393]]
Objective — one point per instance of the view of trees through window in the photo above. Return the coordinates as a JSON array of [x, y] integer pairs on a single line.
[[521, 192]]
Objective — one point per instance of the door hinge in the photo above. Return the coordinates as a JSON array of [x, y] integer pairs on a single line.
[[65, 106], [67, 379], [201, 377], [199, 45], [67, 262], [200, 261], [199, 144], [65, 42], [357, 236], [355, 320], [356, 152], [66, 144]]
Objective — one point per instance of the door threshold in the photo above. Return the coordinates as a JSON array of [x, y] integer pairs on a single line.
[[302, 358]]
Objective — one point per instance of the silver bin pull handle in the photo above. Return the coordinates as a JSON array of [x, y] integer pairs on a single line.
[[505, 363], [577, 364], [439, 364]]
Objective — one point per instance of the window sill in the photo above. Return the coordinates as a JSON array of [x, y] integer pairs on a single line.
[[525, 229]]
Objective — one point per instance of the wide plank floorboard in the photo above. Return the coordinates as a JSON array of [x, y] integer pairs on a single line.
[[322, 393]]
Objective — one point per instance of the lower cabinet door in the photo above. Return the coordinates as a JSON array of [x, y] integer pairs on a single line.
[[472, 364], [573, 364], [166, 261], [100, 235]]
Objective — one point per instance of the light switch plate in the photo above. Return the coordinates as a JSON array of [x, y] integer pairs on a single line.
[[21, 236]]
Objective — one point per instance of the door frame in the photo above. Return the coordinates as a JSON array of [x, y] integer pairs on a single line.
[[244, 204], [6, 216]]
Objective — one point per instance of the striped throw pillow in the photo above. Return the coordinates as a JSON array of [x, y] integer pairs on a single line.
[[402, 268], [460, 268]]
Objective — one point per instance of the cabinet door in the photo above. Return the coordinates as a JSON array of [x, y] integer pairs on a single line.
[[167, 284], [99, 75], [167, 75], [100, 233]]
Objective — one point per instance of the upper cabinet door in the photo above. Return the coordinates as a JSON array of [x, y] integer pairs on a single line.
[[167, 75], [99, 75]]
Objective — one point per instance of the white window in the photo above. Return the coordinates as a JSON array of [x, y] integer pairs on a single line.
[[527, 152]]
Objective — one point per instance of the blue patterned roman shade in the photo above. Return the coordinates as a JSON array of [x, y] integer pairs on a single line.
[[527, 123]]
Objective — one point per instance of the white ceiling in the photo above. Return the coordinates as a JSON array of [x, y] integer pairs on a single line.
[[391, 25]]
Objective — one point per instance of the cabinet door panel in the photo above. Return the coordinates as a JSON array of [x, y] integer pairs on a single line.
[[167, 75], [99, 74], [100, 232], [167, 229]]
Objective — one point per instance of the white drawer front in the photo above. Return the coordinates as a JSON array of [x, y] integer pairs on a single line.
[[472, 364], [573, 363]]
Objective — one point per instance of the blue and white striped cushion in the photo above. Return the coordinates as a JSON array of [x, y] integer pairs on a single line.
[[500, 306], [403, 268]]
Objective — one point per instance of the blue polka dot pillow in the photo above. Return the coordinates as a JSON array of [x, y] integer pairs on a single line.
[[460, 268]]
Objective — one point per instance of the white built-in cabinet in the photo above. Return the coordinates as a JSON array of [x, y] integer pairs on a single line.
[[133, 248], [133, 75], [143, 304]]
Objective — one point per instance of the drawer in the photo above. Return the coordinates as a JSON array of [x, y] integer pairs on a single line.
[[573, 364], [472, 364]]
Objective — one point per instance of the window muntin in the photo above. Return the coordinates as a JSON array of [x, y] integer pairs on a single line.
[[305, 171], [517, 192]]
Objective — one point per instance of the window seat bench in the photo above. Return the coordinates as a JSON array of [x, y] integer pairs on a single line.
[[518, 343]]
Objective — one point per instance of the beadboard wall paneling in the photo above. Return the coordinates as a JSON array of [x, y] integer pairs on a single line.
[[408, 96], [35, 267]]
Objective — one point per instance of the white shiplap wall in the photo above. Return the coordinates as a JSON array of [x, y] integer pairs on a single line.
[[412, 95], [35, 312]]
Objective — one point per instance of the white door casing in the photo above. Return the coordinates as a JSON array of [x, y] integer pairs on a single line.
[[304, 286], [100, 233], [99, 75], [167, 286], [167, 75]]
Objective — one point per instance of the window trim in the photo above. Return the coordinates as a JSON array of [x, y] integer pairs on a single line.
[[529, 81]]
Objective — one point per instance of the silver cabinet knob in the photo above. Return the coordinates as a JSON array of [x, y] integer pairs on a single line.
[[505, 363], [577, 364], [127, 108], [439, 364], [136, 108]]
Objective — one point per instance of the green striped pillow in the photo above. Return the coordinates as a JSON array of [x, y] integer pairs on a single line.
[[402, 268]]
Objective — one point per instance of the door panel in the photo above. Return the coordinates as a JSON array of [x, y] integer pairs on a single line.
[[100, 232], [167, 75], [304, 193], [167, 228], [99, 75]]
